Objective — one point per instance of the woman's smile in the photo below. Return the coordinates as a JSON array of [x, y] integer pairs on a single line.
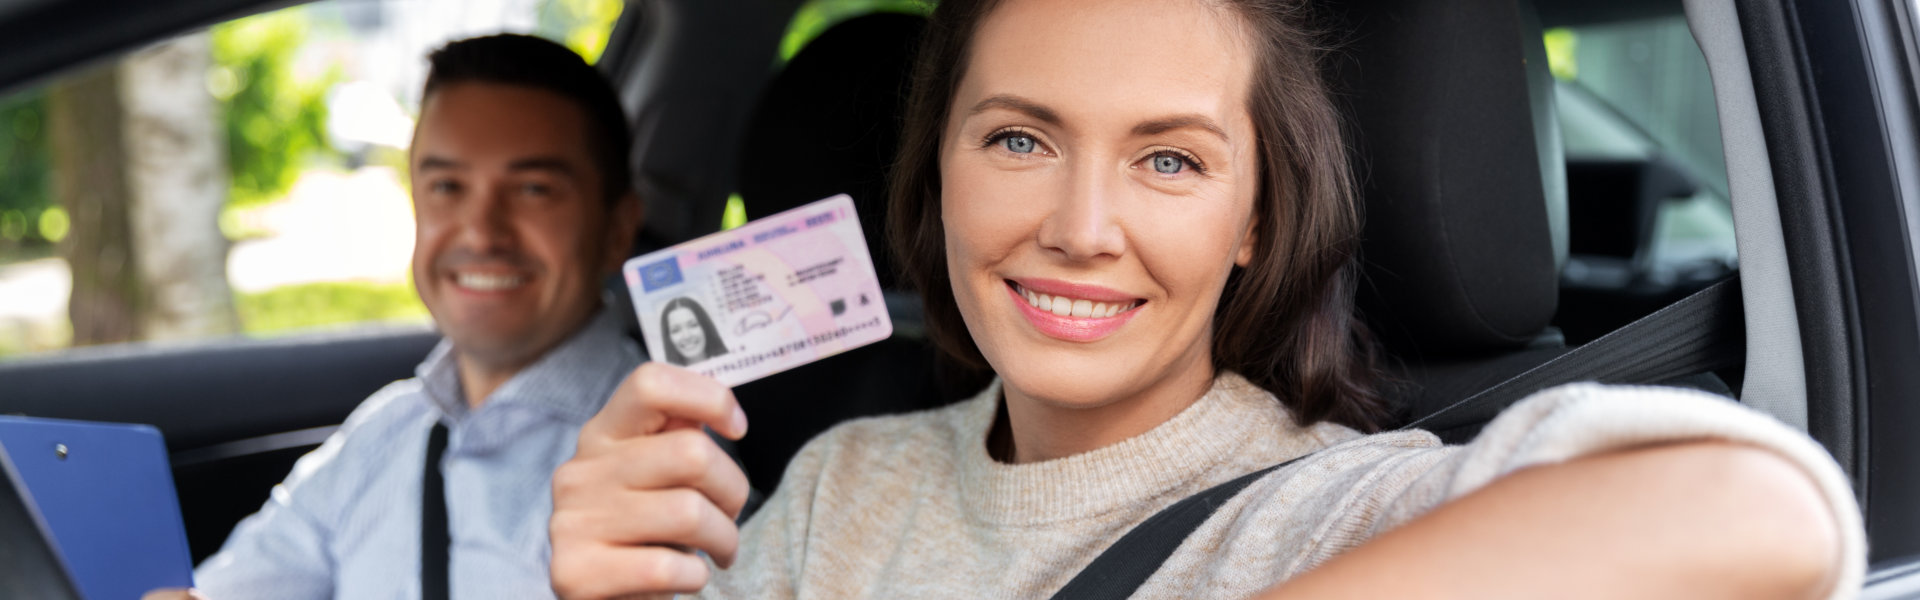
[[1072, 312]]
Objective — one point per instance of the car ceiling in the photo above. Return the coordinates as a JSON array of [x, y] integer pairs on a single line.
[[1571, 13], [46, 37]]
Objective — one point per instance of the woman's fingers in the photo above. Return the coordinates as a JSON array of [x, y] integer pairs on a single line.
[[683, 518], [659, 396], [646, 484], [593, 572], [684, 458]]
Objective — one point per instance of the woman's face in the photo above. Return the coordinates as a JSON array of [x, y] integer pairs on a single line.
[[1098, 179], [687, 335]]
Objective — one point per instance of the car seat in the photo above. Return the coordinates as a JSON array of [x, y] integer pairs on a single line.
[[1463, 175], [828, 123]]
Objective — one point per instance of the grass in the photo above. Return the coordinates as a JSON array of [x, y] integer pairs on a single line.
[[315, 305]]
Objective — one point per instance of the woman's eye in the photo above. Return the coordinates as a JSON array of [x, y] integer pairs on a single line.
[[1019, 144], [1168, 164]]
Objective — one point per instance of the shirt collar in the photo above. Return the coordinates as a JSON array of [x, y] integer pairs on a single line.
[[570, 382]]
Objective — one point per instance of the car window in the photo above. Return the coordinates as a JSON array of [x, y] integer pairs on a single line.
[[1639, 90], [244, 180]]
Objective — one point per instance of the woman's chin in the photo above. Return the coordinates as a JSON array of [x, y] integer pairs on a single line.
[[1070, 386]]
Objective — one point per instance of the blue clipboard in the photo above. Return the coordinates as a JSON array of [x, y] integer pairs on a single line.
[[104, 492]]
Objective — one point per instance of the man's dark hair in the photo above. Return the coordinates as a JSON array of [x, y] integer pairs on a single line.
[[528, 61]]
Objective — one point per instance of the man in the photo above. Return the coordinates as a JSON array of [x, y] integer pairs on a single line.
[[523, 206]]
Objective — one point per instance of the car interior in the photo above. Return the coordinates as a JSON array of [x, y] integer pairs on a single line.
[[1489, 249]]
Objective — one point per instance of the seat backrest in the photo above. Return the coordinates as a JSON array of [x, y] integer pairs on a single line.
[[1463, 179], [829, 123]]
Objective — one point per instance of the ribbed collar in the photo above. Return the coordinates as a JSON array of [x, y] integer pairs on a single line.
[[570, 382], [1234, 428]]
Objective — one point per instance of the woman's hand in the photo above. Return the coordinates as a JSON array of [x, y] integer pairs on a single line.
[[646, 486]]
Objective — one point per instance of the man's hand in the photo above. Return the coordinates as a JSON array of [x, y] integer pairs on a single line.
[[172, 594], [646, 486]]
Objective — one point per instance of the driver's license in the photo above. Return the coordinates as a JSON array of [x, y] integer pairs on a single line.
[[770, 295]]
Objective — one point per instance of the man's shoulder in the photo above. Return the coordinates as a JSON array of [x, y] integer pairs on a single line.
[[382, 420], [399, 402]]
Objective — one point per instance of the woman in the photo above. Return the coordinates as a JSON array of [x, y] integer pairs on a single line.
[[691, 337], [1137, 214]]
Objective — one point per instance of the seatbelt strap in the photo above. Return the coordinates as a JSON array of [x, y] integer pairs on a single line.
[[1126, 564], [1699, 333], [434, 540]]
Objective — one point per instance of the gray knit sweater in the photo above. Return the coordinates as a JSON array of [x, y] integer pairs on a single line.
[[912, 506]]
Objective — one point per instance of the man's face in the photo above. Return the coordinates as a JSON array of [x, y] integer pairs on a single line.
[[512, 233]]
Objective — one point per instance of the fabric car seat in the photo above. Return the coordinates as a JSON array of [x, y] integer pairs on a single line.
[[1457, 149], [1463, 176]]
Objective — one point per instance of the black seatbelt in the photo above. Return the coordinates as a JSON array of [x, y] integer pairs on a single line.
[[1700, 333], [1126, 564], [434, 541], [1697, 334]]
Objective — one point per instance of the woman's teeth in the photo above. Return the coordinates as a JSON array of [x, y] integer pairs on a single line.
[[1069, 307], [487, 282]]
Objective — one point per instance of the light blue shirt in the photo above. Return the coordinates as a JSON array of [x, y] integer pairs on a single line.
[[346, 522]]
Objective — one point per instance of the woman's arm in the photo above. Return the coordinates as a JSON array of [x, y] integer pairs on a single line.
[[1688, 520]]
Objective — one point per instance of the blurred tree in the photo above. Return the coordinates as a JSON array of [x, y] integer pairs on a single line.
[[24, 187], [84, 117], [176, 164], [138, 165], [583, 25], [274, 120]]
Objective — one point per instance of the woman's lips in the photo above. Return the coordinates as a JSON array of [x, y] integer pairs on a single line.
[[1071, 312]]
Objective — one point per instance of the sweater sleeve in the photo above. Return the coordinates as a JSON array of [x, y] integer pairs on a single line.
[[1572, 421]]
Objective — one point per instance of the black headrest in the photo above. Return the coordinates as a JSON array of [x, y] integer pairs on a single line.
[[829, 124], [1461, 169]]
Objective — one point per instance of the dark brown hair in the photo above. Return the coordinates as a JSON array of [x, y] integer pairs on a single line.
[[1286, 322], [528, 61]]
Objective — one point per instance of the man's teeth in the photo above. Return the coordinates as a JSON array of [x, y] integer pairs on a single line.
[[487, 282], [1069, 307]]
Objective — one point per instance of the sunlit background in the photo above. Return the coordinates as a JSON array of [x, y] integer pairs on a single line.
[[249, 179], [300, 116]]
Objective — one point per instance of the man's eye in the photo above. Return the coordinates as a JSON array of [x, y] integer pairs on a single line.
[[443, 187], [536, 189]]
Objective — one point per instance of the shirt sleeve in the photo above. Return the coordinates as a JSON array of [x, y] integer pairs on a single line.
[[282, 551], [1572, 421]]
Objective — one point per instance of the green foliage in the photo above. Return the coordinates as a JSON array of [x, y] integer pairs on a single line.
[[25, 172], [1561, 46], [816, 16], [310, 305], [274, 119], [583, 25]]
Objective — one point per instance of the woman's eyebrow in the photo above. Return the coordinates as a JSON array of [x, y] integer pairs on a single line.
[[1159, 126], [1016, 104]]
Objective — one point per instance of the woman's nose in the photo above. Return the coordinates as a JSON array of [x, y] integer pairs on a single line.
[[1083, 223]]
